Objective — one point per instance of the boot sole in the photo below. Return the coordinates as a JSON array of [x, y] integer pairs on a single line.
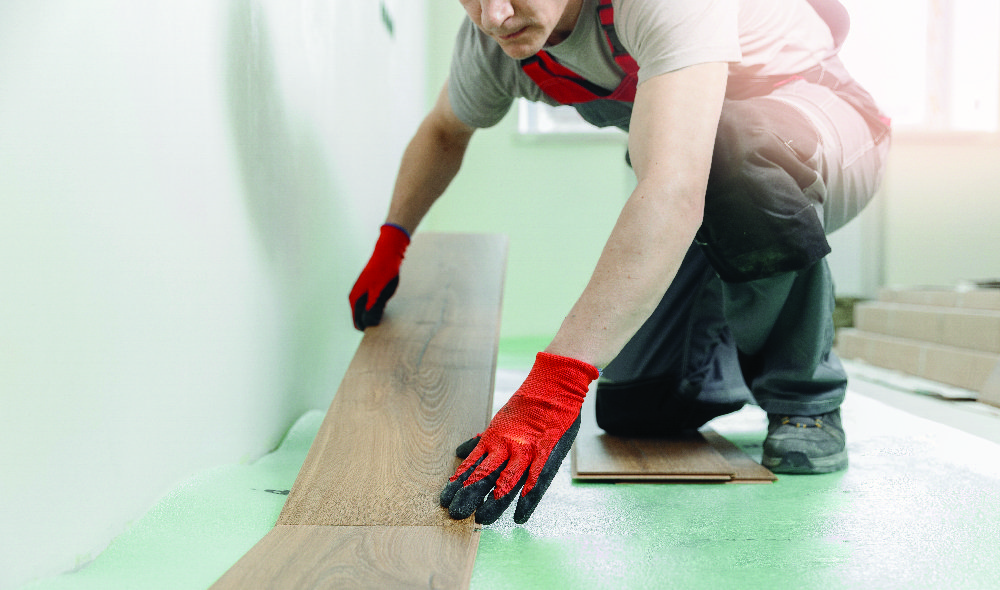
[[799, 463]]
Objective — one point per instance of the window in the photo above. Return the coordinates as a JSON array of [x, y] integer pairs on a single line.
[[933, 65], [536, 118]]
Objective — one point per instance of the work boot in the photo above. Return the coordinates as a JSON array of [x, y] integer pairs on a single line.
[[805, 444]]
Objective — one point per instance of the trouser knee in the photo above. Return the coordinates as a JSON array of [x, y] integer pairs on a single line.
[[654, 408], [764, 199]]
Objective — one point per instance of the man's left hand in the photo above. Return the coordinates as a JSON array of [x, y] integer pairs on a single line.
[[524, 444]]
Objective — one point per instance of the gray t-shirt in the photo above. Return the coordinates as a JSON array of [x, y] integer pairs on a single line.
[[756, 38]]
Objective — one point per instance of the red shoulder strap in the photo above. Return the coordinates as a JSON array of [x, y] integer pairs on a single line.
[[567, 87]]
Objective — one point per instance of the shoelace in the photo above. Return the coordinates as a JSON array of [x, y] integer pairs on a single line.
[[803, 421]]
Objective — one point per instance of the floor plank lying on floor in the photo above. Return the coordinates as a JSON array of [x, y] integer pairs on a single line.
[[364, 508], [705, 456]]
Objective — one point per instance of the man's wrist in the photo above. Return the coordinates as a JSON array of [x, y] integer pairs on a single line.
[[399, 227]]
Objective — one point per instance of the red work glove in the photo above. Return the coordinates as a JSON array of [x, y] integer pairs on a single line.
[[380, 277], [524, 444]]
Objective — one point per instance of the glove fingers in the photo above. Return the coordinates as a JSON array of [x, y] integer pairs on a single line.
[[469, 498], [473, 469], [518, 467], [359, 311], [473, 461], [465, 449], [388, 291], [452, 487], [373, 315], [536, 485], [492, 508]]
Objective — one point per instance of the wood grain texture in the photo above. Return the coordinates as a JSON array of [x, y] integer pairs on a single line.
[[419, 385], [745, 469], [606, 457], [705, 456], [312, 556], [363, 511]]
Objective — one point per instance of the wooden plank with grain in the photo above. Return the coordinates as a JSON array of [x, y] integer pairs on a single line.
[[704, 456], [607, 457], [319, 556], [745, 469], [363, 511]]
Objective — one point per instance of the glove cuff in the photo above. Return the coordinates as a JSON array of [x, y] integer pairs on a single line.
[[400, 228], [573, 374], [393, 238]]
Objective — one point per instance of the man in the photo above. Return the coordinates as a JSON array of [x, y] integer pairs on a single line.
[[749, 142]]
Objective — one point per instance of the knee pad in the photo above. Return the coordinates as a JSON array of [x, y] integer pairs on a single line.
[[761, 210]]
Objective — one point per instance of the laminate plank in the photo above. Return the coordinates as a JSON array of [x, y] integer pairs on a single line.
[[611, 457], [363, 511], [704, 456], [317, 556], [745, 469], [419, 385]]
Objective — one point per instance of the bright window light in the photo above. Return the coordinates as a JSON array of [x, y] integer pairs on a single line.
[[932, 65], [536, 118]]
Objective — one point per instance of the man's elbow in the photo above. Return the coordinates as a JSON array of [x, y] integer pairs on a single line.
[[679, 202]]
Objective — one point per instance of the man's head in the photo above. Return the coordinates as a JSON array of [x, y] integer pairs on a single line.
[[523, 27]]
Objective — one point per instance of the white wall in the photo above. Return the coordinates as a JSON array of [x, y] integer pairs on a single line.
[[936, 220], [187, 191], [942, 220], [858, 251]]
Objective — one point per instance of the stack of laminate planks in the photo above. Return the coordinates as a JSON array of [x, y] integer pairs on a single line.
[[950, 336]]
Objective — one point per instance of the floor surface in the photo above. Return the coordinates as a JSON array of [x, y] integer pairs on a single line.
[[919, 507]]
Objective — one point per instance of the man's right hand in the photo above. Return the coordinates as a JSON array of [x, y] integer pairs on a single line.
[[380, 277]]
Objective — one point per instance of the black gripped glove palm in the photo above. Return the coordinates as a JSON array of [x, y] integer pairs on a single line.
[[523, 445], [380, 277]]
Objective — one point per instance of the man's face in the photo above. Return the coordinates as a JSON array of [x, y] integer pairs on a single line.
[[523, 27]]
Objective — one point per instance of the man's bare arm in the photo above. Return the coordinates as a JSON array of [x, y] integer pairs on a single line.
[[672, 136], [429, 164]]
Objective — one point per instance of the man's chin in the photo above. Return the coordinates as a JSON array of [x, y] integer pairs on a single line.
[[520, 51]]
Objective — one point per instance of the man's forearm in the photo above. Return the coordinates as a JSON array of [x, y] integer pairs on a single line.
[[429, 164], [637, 265], [674, 120]]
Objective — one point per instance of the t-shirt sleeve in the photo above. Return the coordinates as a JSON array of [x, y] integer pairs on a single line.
[[667, 36], [479, 82]]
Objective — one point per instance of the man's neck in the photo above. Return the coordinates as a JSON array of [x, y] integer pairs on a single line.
[[567, 23]]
